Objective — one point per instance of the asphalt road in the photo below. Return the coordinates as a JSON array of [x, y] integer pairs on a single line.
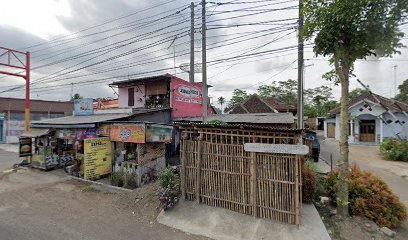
[[38, 205], [398, 184]]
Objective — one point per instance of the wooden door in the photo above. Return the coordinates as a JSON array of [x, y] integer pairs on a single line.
[[331, 129], [367, 131]]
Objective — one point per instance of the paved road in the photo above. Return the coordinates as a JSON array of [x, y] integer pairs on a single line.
[[7, 159], [38, 205], [398, 184]]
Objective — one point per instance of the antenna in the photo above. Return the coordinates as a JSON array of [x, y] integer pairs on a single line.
[[174, 54]]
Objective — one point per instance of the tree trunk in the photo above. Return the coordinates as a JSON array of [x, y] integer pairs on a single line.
[[343, 162]]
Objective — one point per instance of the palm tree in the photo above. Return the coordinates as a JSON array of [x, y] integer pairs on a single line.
[[221, 101]]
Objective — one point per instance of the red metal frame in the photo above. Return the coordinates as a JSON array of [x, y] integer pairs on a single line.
[[14, 54]]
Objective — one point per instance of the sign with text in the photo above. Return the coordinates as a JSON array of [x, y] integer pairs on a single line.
[[83, 107], [97, 157], [276, 148], [134, 133], [25, 147], [159, 133]]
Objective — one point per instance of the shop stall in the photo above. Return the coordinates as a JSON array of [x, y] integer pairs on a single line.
[[139, 151]]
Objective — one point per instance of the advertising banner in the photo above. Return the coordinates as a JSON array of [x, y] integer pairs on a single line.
[[83, 107], [104, 130], [25, 147], [66, 134], [159, 133], [134, 133], [97, 157], [88, 133]]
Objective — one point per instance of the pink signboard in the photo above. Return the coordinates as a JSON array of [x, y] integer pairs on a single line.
[[186, 98]]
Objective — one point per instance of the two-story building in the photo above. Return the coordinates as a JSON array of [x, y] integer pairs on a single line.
[[161, 98]]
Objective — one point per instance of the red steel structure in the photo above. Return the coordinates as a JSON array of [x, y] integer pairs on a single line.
[[14, 61]]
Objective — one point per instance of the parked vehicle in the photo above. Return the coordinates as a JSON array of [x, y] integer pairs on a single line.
[[311, 140]]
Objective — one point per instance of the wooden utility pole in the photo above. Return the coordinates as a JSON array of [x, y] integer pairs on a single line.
[[204, 63], [191, 73], [300, 69]]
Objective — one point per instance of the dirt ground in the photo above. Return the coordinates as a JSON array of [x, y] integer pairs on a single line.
[[354, 227], [44, 205]]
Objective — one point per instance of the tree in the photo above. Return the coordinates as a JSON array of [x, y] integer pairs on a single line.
[[284, 91], [238, 96], [221, 101], [345, 31], [357, 92], [403, 92], [318, 101], [76, 96]]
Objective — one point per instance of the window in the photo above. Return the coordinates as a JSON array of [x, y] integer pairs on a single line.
[[131, 96]]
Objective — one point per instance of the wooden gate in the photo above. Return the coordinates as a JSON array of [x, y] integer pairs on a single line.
[[266, 185], [331, 129]]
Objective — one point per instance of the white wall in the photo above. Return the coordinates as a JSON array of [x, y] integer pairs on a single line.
[[139, 93], [391, 129]]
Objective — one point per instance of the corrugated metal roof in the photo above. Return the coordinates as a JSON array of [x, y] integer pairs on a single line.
[[236, 126], [257, 118], [36, 106], [166, 77], [96, 118]]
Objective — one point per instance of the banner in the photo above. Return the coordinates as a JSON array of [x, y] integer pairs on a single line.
[[88, 133], [83, 107], [25, 147], [97, 157], [134, 133], [159, 133]]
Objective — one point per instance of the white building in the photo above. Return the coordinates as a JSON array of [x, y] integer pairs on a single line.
[[372, 118]]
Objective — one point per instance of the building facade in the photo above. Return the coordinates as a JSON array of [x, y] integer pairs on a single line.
[[12, 115], [372, 119]]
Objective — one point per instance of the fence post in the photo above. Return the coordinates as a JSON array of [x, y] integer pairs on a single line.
[[183, 168], [297, 194], [198, 169], [253, 183], [331, 162]]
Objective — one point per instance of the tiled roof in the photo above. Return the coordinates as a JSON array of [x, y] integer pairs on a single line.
[[37, 106], [255, 104], [254, 118], [237, 126], [386, 102]]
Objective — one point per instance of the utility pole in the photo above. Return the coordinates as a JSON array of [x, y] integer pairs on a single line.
[[300, 69], [204, 63], [72, 91], [191, 73], [395, 81]]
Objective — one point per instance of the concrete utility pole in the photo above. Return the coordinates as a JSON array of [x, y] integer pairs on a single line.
[[395, 80], [204, 62], [300, 69], [191, 73]]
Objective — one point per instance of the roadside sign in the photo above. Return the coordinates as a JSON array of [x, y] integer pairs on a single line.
[[25, 147]]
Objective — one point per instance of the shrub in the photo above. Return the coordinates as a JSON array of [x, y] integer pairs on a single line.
[[309, 181], [369, 196], [169, 191], [395, 149]]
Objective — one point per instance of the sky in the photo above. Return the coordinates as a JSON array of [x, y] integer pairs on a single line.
[[80, 46]]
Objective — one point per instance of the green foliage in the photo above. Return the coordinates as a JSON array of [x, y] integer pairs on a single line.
[[357, 92], [238, 96], [221, 100], [369, 196], [216, 122], [284, 91], [309, 181], [403, 92], [319, 101], [395, 149], [354, 29], [169, 191]]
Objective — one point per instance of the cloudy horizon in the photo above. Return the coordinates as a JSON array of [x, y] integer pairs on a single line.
[[78, 42]]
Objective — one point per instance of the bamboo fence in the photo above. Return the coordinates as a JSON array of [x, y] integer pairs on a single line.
[[216, 170]]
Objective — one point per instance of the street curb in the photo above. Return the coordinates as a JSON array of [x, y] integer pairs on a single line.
[[102, 184]]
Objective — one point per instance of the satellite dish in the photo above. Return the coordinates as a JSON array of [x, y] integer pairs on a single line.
[[185, 67]]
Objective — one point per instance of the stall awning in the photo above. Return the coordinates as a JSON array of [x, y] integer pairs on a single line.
[[36, 132]]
